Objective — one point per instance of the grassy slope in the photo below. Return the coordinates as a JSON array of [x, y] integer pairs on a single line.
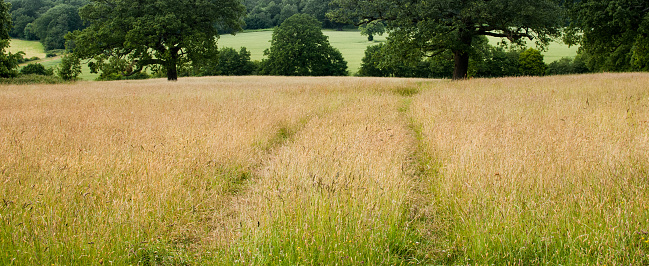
[[31, 48], [35, 48]]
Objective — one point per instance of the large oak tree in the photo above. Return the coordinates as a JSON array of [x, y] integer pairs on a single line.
[[164, 33], [431, 27]]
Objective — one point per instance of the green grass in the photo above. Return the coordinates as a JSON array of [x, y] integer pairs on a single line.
[[555, 51], [326, 171], [350, 43], [30, 48]]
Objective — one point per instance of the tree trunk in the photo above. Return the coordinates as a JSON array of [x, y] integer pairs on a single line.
[[172, 73], [172, 68], [461, 55], [461, 65]]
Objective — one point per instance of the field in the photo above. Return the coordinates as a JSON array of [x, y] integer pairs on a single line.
[[30, 48], [352, 45], [304, 171]]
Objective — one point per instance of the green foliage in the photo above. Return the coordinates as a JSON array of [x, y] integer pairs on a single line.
[[231, 63], [640, 53], [70, 67], [36, 68], [299, 48], [264, 14], [166, 34], [530, 63], [372, 28], [485, 61], [47, 21], [51, 27], [8, 61], [613, 34], [32, 79], [493, 61], [433, 27], [377, 63], [567, 65], [371, 63], [114, 68]]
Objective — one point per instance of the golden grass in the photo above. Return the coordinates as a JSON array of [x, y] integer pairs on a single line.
[[336, 192], [538, 170], [270, 170], [123, 171]]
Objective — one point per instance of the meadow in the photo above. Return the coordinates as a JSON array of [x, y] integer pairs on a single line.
[[304, 171]]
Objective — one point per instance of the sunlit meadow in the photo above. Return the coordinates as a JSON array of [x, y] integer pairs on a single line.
[[540, 170], [348, 171]]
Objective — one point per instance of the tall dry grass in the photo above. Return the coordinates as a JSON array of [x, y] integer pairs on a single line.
[[337, 193], [266, 170], [539, 170], [141, 172]]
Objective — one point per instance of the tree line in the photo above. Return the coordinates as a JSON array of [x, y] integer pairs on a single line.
[[264, 14], [47, 21], [437, 38]]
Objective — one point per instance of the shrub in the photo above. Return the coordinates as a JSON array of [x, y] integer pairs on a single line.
[[70, 68], [377, 62], [531, 63], [32, 79], [9, 62], [494, 61], [230, 63], [36, 68], [567, 65], [371, 63]]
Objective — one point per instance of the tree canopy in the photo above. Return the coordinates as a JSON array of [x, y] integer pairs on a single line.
[[299, 48], [428, 28], [159, 33], [46, 20], [8, 61], [264, 14], [613, 34]]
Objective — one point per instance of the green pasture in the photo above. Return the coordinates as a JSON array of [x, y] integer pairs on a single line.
[[554, 51], [85, 70], [30, 48], [350, 43]]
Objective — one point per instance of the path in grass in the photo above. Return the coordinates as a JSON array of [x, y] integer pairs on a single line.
[[123, 171], [136, 172], [339, 191], [273, 170]]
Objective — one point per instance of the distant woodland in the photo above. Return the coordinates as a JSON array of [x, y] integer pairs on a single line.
[[49, 20]]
